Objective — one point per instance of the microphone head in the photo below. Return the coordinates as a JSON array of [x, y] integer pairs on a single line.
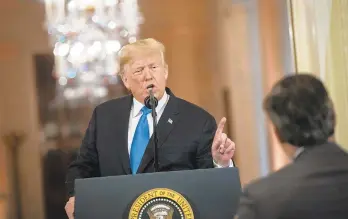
[[149, 102]]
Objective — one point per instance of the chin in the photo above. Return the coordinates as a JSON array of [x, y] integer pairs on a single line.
[[144, 96]]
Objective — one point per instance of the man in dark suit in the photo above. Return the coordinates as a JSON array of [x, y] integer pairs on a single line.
[[315, 184], [117, 141]]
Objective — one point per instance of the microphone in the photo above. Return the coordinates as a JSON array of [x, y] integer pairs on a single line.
[[151, 102]]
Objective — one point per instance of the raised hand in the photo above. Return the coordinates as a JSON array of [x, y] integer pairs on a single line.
[[222, 148]]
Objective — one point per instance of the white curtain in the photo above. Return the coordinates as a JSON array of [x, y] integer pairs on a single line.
[[321, 47]]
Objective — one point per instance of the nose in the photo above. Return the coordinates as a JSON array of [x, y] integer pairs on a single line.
[[148, 74]]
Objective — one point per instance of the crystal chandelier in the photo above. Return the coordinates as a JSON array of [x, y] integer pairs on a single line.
[[86, 36]]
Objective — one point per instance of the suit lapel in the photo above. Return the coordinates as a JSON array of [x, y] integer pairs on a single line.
[[120, 137], [165, 125]]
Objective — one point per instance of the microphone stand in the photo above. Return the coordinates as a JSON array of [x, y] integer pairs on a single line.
[[151, 103]]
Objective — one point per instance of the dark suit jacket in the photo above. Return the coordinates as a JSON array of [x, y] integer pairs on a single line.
[[314, 186], [183, 144]]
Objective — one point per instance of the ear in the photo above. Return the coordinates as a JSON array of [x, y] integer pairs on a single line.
[[278, 136], [166, 71], [125, 80]]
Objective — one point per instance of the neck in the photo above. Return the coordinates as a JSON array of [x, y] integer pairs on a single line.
[[289, 150]]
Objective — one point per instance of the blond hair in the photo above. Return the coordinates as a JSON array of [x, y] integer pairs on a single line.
[[128, 51]]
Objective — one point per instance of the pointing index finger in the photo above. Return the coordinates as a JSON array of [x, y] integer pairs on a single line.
[[221, 126]]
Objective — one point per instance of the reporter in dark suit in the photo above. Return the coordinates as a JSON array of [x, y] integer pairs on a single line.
[[117, 141], [315, 184]]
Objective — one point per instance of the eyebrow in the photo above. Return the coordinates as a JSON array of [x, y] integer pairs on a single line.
[[152, 64]]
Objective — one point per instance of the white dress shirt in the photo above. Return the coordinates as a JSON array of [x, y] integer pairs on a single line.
[[298, 152], [136, 114]]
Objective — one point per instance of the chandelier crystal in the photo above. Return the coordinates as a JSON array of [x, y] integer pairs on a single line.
[[86, 36]]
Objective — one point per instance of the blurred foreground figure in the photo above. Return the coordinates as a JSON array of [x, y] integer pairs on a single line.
[[55, 168], [315, 184]]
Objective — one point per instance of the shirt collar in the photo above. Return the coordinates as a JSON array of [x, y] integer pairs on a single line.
[[137, 106], [298, 152]]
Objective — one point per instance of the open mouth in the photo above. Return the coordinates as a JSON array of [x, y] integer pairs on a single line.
[[150, 86]]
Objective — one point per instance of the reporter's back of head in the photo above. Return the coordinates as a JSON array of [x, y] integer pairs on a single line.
[[315, 184], [301, 111]]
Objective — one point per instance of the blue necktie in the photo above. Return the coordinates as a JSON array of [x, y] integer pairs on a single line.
[[140, 140]]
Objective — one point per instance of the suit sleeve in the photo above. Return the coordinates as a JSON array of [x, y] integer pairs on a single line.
[[204, 158], [247, 208], [86, 164]]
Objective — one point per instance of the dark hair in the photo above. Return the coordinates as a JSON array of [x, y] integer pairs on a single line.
[[301, 110]]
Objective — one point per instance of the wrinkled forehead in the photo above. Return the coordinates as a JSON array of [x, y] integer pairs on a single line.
[[146, 58]]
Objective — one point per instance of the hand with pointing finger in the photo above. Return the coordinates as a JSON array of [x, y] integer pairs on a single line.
[[223, 147]]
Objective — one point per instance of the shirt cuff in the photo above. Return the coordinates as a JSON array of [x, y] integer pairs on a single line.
[[216, 165]]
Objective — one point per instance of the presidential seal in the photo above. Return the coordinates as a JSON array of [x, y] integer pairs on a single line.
[[161, 203]]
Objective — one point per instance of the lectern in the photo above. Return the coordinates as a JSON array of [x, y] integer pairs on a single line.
[[192, 194]]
